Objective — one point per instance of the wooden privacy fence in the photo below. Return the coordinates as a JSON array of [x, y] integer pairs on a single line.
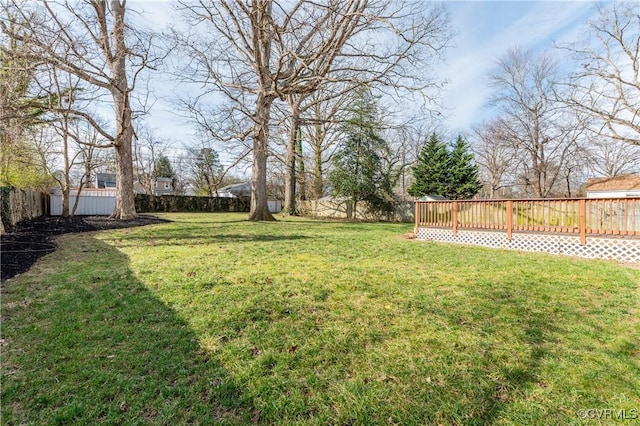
[[577, 216], [20, 204]]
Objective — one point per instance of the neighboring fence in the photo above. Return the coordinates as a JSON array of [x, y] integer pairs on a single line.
[[21, 204], [550, 225]]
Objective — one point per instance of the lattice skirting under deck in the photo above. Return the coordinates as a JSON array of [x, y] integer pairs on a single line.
[[623, 250]]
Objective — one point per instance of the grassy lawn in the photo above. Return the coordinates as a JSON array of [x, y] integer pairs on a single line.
[[214, 320]]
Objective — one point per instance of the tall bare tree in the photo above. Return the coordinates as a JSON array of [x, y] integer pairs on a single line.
[[147, 149], [91, 40], [55, 140], [610, 157], [543, 133], [258, 51], [494, 156], [606, 84], [323, 121]]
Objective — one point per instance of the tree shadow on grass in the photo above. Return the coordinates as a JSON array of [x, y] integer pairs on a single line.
[[93, 345], [503, 341], [514, 380], [182, 238]]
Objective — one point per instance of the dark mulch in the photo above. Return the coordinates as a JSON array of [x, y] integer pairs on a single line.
[[30, 240]]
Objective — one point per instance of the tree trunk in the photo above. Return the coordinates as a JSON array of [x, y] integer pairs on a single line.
[[290, 174], [65, 201], [66, 190], [318, 182], [125, 200], [77, 201], [300, 166], [263, 36], [259, 210]]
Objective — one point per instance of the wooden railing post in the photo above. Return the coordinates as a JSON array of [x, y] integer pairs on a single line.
[[454, 217], [509, 219], [582, 217], [417, 214]]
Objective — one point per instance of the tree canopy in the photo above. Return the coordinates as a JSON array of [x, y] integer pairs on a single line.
[[449, 173], [357, 168], [464, 183], [431, 174]]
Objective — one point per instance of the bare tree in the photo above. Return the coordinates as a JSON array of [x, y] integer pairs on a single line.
[[58, 90], [543, 133], [147, 149], [302, 139], [293, 158], [494, 156], [264, 50], [66, 144], [92, 41], [606, 84], [323, 119], [611, 157]]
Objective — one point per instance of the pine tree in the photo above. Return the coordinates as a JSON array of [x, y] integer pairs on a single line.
[[357, 168], [464, 183], [431, 174], [163, 168]]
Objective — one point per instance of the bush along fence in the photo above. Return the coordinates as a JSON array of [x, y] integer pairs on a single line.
[[175, 203], [21, 204], [591, 228]]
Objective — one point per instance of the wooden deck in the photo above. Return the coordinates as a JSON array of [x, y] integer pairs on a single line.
[[570, 216]]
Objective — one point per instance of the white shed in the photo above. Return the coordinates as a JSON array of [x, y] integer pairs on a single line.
[[93, 201]]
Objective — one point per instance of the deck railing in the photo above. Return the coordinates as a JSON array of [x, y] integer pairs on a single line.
[[580, 216]]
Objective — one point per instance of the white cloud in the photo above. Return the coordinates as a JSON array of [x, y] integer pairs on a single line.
[[486, 30]]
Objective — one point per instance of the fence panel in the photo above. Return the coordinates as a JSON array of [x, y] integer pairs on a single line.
[[20, 204]]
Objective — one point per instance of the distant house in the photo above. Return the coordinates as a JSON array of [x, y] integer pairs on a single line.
[[244, 190], [236, 190], [105, 180], [431, 198], [162, 186], [159, 185], [614, 187]]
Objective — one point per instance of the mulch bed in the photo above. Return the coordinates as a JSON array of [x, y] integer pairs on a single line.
[[30, 240]]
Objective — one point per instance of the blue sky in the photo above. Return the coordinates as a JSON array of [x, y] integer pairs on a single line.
[[485, 30]]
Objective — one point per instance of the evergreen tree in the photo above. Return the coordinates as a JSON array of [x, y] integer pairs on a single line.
[[464, 183], [163, 168], [432, 174], [207, 171], [357, 168]]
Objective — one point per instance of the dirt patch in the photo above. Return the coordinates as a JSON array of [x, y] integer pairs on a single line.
[[30, 240]]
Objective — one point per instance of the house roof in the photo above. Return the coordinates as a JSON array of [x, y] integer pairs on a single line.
[[243, 188], [431, 198], [616, 183]]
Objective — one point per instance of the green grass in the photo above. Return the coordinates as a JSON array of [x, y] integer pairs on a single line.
[[214, 320]]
